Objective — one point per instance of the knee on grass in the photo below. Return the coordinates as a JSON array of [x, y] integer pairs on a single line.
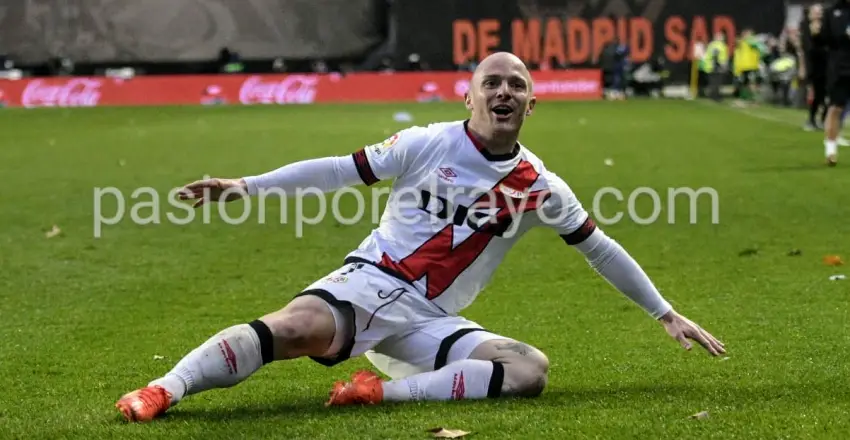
[[526, 377], [526, 369]]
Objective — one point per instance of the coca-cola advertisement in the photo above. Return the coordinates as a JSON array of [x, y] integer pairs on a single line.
[[76, 92], [277, 89], [293, 89]]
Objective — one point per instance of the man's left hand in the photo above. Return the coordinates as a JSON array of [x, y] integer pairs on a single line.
[[682, 329]]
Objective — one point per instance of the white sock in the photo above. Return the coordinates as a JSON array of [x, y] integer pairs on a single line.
[[831, 147], [222, 361], [466, 379]]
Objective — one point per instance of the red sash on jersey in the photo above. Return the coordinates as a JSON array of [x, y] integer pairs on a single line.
[[443, 263]]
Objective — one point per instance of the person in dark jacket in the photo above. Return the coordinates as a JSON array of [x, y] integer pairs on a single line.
[[833, 31], [815, 58]]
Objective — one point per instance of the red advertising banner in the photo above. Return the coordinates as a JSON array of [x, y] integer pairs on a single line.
[[277, 89]]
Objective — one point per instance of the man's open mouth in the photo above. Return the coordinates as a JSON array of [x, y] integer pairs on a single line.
[[502, 111]]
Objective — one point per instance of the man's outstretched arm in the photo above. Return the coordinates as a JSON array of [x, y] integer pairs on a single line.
[[614, 263], [324, 174], [565, 214], [368, 165]]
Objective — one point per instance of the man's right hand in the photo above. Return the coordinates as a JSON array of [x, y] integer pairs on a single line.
[[214, 190]]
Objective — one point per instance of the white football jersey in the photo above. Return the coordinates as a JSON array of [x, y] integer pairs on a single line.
[[455, 209]]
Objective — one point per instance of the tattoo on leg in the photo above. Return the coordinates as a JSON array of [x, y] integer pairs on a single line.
[[516, 347]]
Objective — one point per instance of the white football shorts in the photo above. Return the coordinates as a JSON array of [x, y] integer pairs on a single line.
[[395, 326]]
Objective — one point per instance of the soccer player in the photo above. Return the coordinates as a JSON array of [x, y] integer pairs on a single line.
[[831, 31], [464, 192]]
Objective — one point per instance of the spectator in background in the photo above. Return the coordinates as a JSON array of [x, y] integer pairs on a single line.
[[798, 86], [648, 79], [229, 61], [772, 54], [701, 70], [607, 62], [320, 66], [716, 65], [782, 70], [387, 65], [747, 59], [813, 68], [614, 62], [415, 63]]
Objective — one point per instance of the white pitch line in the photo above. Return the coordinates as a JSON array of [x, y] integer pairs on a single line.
[[745, 111], [765, 117]]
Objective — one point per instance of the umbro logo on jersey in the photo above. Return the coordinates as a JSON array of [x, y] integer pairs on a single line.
[[447, 174]]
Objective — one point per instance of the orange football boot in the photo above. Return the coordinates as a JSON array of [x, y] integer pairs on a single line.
[[365, 388], [144, 404]]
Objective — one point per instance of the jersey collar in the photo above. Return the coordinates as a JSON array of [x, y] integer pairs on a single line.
[[485, 152]]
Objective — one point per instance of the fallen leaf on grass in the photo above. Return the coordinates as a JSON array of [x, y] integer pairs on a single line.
[[832, 260], [447, 433], [700, 415], [53, 232], [157, 357], [748, 252]]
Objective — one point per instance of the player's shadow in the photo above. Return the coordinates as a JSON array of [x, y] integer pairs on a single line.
[[315, 409], [589, 397], [312, 410]]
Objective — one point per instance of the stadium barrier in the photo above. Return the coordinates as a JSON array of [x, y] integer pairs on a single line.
[[583, 84]]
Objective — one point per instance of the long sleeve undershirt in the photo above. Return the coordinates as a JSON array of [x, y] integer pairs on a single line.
[[324, 174], [614, 264]]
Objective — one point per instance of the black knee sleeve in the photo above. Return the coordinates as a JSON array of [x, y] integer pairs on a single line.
[[496, 380], [266, 340]]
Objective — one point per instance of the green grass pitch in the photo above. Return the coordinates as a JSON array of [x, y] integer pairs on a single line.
[[87, 319]]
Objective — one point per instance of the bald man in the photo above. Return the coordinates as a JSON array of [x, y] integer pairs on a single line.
[[463, 194]]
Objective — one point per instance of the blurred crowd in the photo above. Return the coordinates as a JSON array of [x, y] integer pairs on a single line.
[[759, 68]]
